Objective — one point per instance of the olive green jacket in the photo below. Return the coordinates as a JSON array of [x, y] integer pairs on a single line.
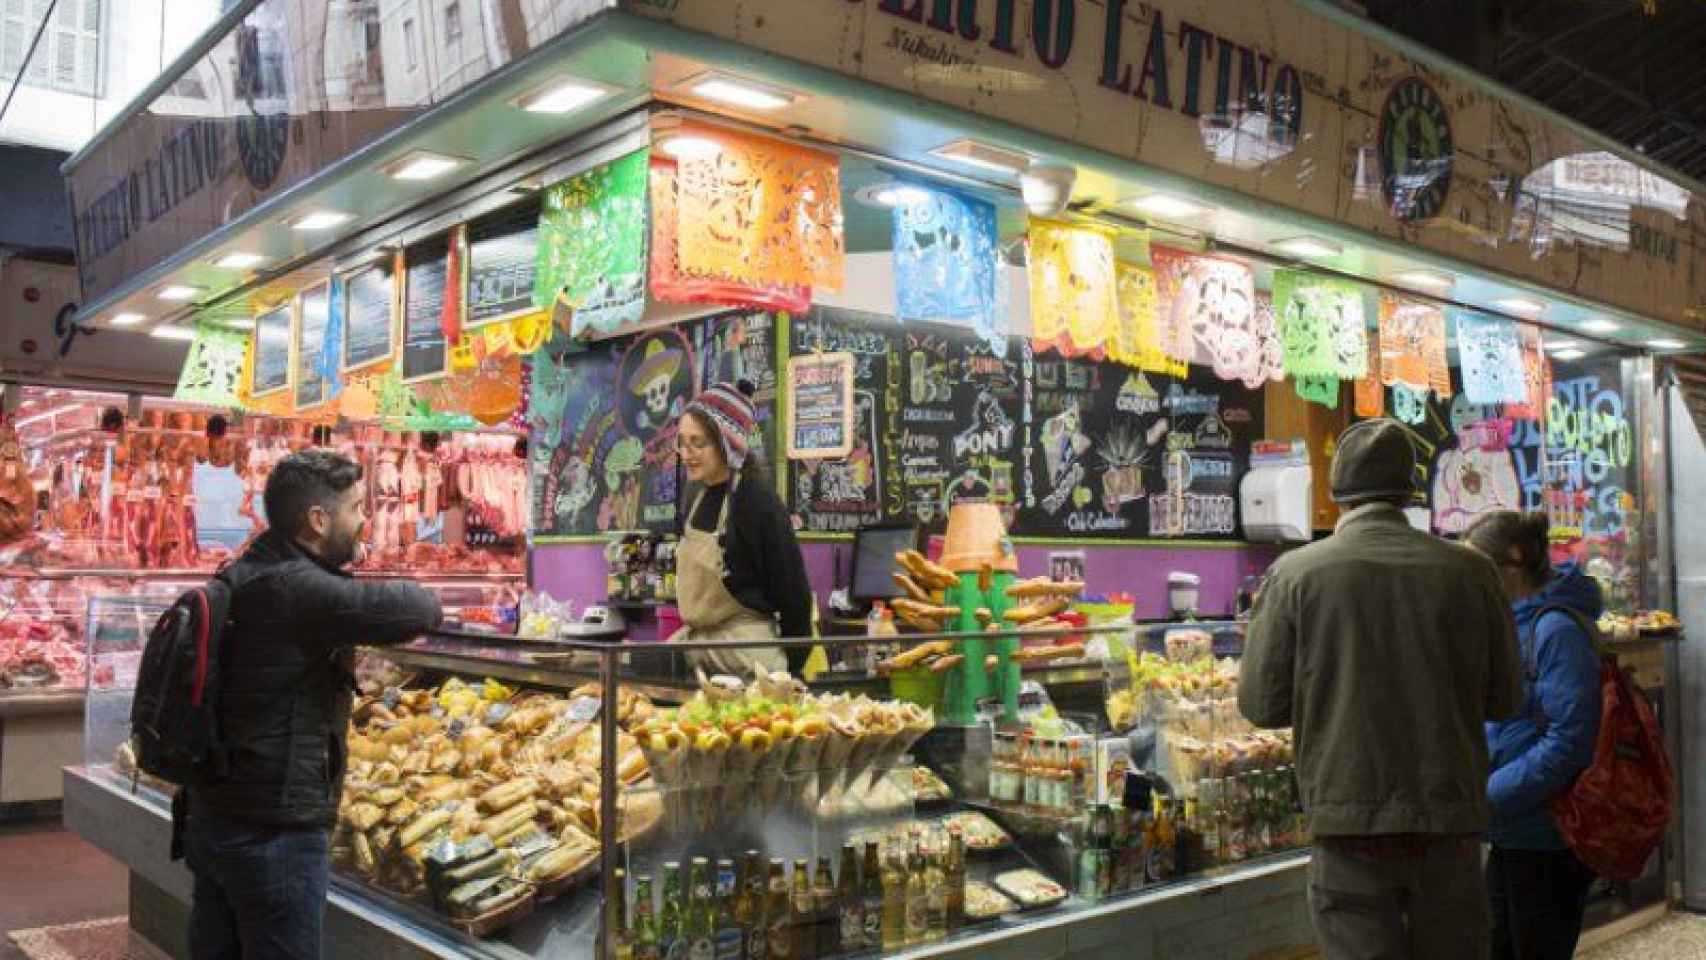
[[1384, 648]]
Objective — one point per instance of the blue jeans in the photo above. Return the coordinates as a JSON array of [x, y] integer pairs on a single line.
[[260, 892]]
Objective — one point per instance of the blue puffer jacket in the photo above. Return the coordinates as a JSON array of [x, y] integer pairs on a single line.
[[1534, 761]]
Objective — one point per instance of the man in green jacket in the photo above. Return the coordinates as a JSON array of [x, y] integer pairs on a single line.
[[1384, 649]]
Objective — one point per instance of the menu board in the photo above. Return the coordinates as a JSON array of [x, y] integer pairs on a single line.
[[501, 260], [369, 321], [313, 315], [426, 353], [846, 493], [272, 352], [820, 406]]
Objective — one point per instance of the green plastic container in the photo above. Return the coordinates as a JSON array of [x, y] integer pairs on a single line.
[[919, 685]]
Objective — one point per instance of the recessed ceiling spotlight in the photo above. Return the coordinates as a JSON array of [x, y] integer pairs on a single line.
[[1666, 343], [1309, 247], [319, 220], [740, 92], [179, 292], [238, 260], [561, 95], [127, 319], [1426, 279], [1521, 305], [1557, 345], [1568, 355], [974, 153], [1167, 206], [172, 331], [683, 146], [1602, 326], [421, 165]]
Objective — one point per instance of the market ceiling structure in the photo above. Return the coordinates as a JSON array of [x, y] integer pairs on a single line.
[[1632, 75]]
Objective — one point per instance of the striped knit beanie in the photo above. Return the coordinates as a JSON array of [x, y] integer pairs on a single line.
[[729, 407]]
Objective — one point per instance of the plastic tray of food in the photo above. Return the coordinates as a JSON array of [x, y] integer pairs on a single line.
[[1030, 889]]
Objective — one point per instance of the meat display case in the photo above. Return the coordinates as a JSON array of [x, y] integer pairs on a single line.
[[1087, 891]]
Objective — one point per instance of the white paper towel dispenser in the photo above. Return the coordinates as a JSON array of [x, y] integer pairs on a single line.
[[1277, 495]]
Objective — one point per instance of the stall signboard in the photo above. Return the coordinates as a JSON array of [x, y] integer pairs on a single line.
[[426, 350], [501, 263], [370, 316], [820, 406], [1282, 102], [272, 352], [308, 347], [291, 90]]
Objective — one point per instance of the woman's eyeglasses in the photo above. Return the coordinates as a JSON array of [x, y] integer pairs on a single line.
[[695, 444]]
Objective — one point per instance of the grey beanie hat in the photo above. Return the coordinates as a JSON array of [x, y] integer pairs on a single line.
[[1375, 461]]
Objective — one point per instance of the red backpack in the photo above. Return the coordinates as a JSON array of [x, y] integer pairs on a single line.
[[1615, 814]]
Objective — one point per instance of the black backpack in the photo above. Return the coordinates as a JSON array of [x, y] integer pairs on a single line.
[[174, 717]]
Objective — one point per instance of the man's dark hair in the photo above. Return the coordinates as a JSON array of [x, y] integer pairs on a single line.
[[303, 480]]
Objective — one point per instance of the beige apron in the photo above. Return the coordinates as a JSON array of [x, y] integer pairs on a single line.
[[710, 612]]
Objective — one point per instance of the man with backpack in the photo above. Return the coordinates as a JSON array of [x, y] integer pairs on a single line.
[[1385, 648], [257, 834]]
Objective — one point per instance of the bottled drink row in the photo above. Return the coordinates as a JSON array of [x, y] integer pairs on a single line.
[[874, 902]]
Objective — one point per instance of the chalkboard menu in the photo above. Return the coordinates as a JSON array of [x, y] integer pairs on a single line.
[[426, 354], [272, 352], [313, 314], [863, 487], [369, 321], [501, 259], [820, 406]]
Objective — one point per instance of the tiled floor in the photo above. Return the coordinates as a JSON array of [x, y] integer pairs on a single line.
[[1680, 936], [48, 877]]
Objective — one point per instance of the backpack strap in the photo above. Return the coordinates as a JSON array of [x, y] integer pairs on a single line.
[[1531, 657]]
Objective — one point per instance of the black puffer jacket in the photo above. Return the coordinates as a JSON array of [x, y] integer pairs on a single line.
[[286, 682]]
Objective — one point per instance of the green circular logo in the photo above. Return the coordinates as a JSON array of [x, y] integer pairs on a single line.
[[1415, 151]]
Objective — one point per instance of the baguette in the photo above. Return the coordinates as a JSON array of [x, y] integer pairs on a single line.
[[930, 574], [1036, 654], [944, 664], [921, 624], [913, 590], [497, 826], [1036, 610], [931, 610], [1044, 587], [423, 826], [920, 653]]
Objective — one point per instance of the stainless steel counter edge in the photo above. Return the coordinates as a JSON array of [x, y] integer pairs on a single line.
[[138, 834], [18, 703]]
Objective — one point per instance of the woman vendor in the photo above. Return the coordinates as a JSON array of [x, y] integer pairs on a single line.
[[739, 573]]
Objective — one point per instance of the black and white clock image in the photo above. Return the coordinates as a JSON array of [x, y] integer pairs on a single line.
[[262, 137]]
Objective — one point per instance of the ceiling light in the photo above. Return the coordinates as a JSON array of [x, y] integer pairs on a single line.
[[178, 291], [971, 153], [1168, 206], [1665, 343], [1426, 279], [172, 331], [1601, 326], [421, 165], [1313, 247], [561, 95], [127, 319], [1522, 305], [741, 93], [1568, 355], [1558, 345], [685, 147], [238, 260], [239, 323], [319, 220], [898, 195]]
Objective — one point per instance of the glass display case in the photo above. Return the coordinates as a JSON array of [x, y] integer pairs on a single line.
[[843, 814]]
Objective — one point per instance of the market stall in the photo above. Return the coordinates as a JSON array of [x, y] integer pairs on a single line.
[[955, 286]]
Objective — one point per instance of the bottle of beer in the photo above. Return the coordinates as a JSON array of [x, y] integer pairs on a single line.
[[730, 938], [850, 904], [823, 909], [956, 879], [749, 907], [670, 944], [872, 896], [645, 925], [894, 903], [917, 897], [777, 942], [701, 926], [936, 896], [803, 915], [619, 930]]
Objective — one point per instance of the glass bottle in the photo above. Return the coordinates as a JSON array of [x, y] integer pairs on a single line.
[[701, 927], [749, 907], [936, 896], [824, 920], [803, 913], [872, 894], [1223, 820], [645, 924], [1159, 867], [956, 878], [1190, 849], [730, 937], [777, 943], [850, 904], [1029, 775], [670, 943], [894, 903], [623, 934], [917, 897]]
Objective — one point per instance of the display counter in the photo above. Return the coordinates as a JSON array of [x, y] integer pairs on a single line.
[[1195, 849]]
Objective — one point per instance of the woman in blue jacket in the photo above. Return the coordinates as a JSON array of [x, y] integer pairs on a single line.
[[1538, 887]]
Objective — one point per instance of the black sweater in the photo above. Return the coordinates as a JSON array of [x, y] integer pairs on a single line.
[[762, 565]]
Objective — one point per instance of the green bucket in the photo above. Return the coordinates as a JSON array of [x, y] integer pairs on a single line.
[[919, 685]]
